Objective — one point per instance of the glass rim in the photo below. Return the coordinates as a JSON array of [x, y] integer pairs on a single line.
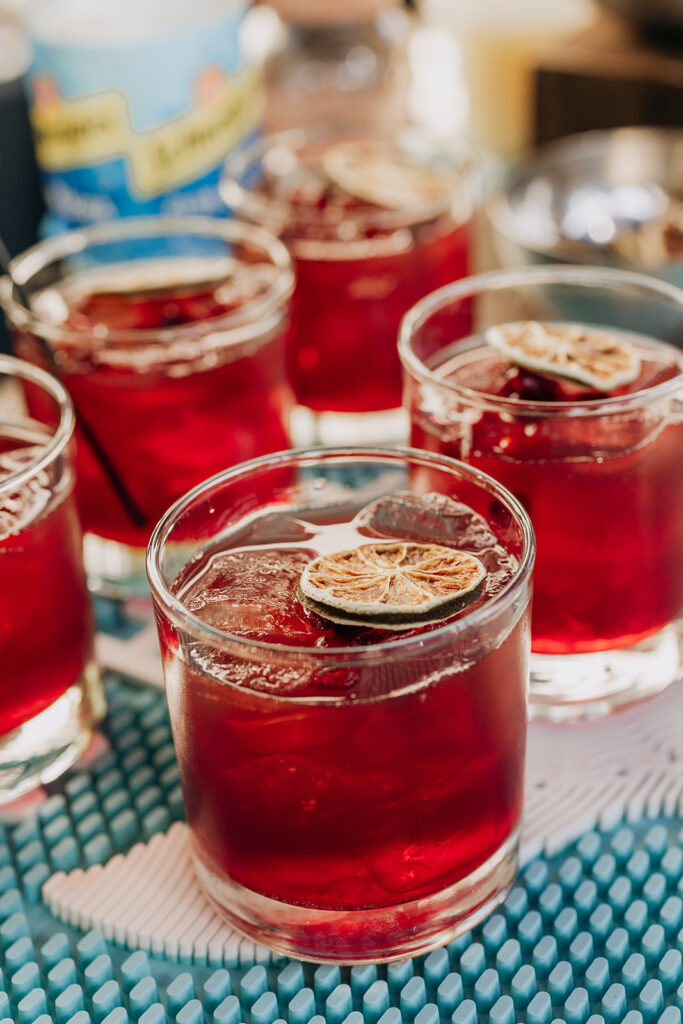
[[247, 203], [19, 368], [78, 240], [182, 618], [561, 274]]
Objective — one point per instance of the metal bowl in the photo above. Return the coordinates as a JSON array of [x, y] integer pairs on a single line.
[[575, 197]]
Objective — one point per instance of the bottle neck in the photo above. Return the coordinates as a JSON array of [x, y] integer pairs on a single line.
[[333, 36]]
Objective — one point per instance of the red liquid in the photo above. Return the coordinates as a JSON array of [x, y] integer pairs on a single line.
[[45, 622], [167, 418], [358, 802], [605, 496], [351, 295]]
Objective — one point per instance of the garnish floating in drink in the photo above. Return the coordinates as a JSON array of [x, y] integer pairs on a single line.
[[398, 585], [587, 355], [383, 175]]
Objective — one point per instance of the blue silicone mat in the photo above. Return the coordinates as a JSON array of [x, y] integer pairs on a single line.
[[593, 934]]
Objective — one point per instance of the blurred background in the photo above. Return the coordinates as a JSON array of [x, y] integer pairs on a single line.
[[109, 110]]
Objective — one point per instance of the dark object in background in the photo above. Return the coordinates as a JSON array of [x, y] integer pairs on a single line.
[[609, 76], [657, 15], [21, 204]]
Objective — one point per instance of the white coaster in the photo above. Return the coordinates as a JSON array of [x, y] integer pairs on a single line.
[[627, 765], [150, 899], [137, 657], [579, 776]]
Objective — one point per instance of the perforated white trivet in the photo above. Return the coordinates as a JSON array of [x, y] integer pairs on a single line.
[[578, 777]]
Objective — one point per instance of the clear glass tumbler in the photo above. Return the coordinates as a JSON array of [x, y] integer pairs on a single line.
[[50, 692], [363, 255], [353, 794], [599, 473], [169, 336]]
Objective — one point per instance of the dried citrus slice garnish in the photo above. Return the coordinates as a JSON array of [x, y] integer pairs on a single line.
[[391, 585], [381, 174], [586, 355]]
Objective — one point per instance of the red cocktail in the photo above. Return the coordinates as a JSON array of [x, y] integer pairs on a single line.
[[599, 473], [170, 337], [363, 255], [354, 792], [49, 683]]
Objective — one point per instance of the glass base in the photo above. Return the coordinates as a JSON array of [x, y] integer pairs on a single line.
[[579, 686], [43, 748], [369, 935], [114, 570], [388, 426]]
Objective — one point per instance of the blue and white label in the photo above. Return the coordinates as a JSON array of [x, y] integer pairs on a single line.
[[141, 126]]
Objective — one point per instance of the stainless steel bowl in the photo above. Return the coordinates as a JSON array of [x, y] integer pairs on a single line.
[[574, 198]]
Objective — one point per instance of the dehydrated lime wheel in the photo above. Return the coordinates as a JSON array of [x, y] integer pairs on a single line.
[[391, 585], [571, 352], [380, 173]]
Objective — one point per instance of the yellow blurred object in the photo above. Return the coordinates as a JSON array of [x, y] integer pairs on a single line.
[[501, 42]]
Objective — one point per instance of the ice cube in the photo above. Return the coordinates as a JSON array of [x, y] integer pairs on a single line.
[[278, 528], [289, 177], [20, 507], [427, 518], [252, 593], [322, 789], [247, 282]]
